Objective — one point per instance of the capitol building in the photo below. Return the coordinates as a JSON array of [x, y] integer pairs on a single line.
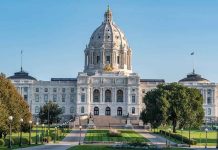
[[107, 86]]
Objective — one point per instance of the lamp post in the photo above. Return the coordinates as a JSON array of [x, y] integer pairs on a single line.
[[10, 118], [37, 132], [216, 137], [48, 118], [55, 134], [189, 135], [206, 130], [166, 137], [30, 123], [169, 135], [181, 134], [80, 128], [43, 125], [21, 123]]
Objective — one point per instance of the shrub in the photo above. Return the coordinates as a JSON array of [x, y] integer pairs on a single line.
[[16, 140], [179, 137], [25, 140], [2, 142], [138, 142], [114, 133], [47, 139], [7, 142]]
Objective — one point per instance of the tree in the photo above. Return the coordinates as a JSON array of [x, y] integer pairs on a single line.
[[173, 104], [11, 104], [54, 112]]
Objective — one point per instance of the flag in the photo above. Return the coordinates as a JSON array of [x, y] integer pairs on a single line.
[[192, 53]]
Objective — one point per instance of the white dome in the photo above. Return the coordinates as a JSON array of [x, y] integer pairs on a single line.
[[108, 35], [108, 49]]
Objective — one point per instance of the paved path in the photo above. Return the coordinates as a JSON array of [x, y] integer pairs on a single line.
[[70, 140], [154, 138]]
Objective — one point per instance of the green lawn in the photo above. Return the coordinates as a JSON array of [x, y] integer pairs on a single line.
[[200, 136], [40, 134], [102, 135], [105, 147]]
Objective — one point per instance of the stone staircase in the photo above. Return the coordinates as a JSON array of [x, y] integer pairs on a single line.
[[109, 121]]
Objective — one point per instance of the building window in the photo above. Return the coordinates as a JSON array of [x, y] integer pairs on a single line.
[[107, 96], [63, 110], [133, 98], [143, 91], [83, 98], [209, 91], [96, 111], [25, 89], [118, 59], [209, 111], [108, 59], [72, 90], [209, 101], [37, 89], [45, 97], [37, 109], [45, 89], [96, 96], [54, 98], [119, 96], [82, 110], [63, 97], [71, 109], [71, 98], [107, 111], [133, 90], [36, 98], [98, 59], [54, 90], [63, 90], [133, 110], [25, 97], [119, 111]]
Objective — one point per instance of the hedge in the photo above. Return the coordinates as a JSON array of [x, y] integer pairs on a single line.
[[179, 137], [2, 142]]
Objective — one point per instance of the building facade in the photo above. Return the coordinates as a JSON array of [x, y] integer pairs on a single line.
[[107, 86]]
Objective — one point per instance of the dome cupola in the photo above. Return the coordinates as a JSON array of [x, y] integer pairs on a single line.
[[108, 49]]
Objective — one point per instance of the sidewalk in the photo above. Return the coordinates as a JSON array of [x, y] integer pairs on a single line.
[[71, 139], [155, 139]]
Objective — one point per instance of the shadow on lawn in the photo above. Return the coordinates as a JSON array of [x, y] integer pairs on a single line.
[[103, 136]]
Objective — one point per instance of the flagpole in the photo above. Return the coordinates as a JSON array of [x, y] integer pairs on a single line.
[[193, 61], [21, 59]]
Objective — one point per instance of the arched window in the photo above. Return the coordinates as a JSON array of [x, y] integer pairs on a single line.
[[119, 96], [37, 109], [96, 96], [119, 111], [133, 110], [209, 111], [107, 96], [82, 110], [96, 111], [107, 111], [63, 109], [71, 109]]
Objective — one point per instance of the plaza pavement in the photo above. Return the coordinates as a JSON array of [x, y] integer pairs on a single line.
[[155, 139], [72, 139]]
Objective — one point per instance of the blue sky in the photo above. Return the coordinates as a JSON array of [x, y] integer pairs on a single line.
[[162, 34]]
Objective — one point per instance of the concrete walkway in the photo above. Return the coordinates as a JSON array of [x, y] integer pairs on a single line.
[[155, 139], [71, 139]]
